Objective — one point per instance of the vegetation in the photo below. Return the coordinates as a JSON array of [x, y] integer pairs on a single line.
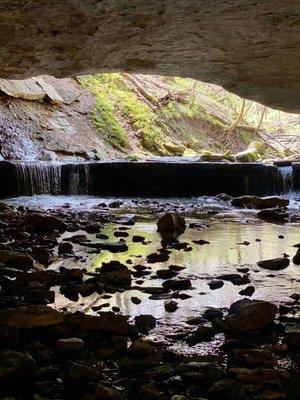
[[143, 115]]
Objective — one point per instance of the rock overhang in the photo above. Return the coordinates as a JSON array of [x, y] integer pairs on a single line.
[[251, 48]]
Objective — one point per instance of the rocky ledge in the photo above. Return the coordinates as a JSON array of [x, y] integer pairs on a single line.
[[207, 40]]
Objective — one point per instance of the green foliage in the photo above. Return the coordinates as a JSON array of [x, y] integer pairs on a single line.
[[113, 99], [104, 112]]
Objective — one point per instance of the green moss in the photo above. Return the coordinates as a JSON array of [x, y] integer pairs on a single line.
[[114, 98], [104, 112]]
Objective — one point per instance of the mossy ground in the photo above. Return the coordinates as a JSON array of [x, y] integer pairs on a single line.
[[180, 125]]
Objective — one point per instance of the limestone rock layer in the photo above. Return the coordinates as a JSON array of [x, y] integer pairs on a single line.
[[249, 47]]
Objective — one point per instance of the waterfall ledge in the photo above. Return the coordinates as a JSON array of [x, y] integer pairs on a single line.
[[144, 178]]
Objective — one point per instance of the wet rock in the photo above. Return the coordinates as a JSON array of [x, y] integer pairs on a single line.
[[157, 257], [236, 279], [200, 242], [34, 316], [107, 322], [113, 247], [252, 358], [115, 273], [16, 260], [177, 284], [293, 336], [201, 334], [141, 348], [92, 228], [136, 300], [233, 344], [121, 234], [145, 323], [213, 285], [260, 202], [69, 345], [296, 258], [245, 315], [150, 391], [65, 248], [171, 306], [77, 372], [253, 376], [138, 239], [203, 374], [102, 236], [248, 291], [106, 393], [211, 313], [16, 369], [165, 273], [171, 222], [227, 389], [275, 264], [44, 223], [274, 215]]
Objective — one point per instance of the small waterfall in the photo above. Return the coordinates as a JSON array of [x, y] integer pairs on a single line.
[[38, 178], [286, 177], [79, 179]]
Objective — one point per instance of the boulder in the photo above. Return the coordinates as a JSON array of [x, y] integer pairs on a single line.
[[260, 202], [275, 264], [29, 317], [246, 315], [171, 222]]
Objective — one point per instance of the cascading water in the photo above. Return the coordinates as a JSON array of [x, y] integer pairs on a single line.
[[286, 177], [35, 178], [38, 178], [79, 179]]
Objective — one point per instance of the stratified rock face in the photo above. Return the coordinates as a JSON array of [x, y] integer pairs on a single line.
[[250, 48]]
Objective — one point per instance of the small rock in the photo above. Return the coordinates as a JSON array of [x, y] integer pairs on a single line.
[[171, 222], [135, 300], [275, 264], [245, 315], [296, 258], [248, 291], [293, 336], [213, 285], [171, 306], [177, 284], [227, 389], [145, 323], [69, 345], [65, 248]]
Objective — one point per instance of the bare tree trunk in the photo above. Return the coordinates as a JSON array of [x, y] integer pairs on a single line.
[[140, 89], [239, 118], [261, 119]]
